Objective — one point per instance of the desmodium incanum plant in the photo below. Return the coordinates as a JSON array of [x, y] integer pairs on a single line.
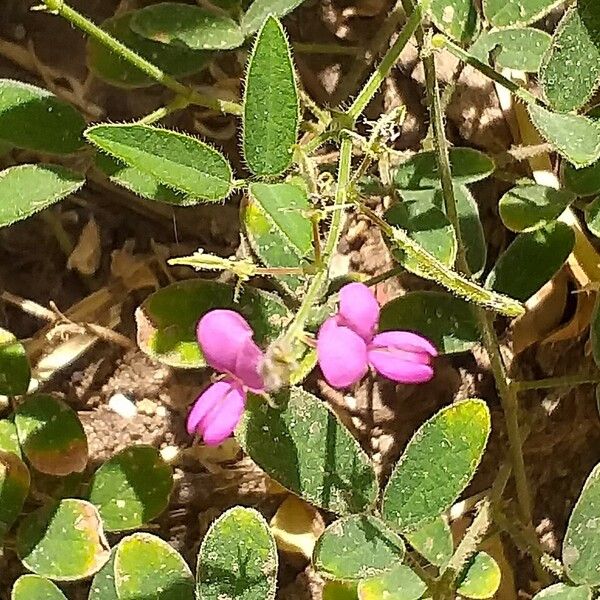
[[306, 170]]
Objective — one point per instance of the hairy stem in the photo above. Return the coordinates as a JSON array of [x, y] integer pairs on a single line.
[[178, 103], [84, 24]]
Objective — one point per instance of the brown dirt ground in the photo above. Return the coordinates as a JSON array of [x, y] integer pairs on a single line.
[[562, 445]]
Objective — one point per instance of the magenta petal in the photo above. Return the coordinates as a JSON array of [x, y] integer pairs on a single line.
[[405, 340], [217, 412], [359, 309], [342, 354], [221, 335], [246, 367]]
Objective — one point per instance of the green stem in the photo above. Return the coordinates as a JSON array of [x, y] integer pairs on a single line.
[[440, 41], [78, 20], [555, 382], [333, 49], [315, 289], [389, 60], [178, 103]]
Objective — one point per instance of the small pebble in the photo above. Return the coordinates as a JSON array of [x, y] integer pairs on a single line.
[[123, 406]]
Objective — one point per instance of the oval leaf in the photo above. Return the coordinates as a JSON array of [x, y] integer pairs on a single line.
[[140, 182], [399, 584], [447, 321], [238, 558], [14, 487], [15, 372], [35, 119], [518, 48], [531, 260], [107, 65], [561, 591], [34, 587], [63, 541], [166, 320], [131, 488], [316, 456], [103, 584], [456, 18], [340, 590], [177, 160], [9, 440], [433, 541], [27, 189], [570, 71], [581, 546], [529, 207], [504, 13], [575, 137], [260, 9], [278, 229], [592, 216], [271, 108], [148, 567], [481, 578], [357, 547], [452, 442], [51, 435], [185, 25], [583, 182], [421, 172]]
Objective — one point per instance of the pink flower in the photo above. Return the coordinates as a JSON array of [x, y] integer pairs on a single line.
[[347, 344], [226, 342]]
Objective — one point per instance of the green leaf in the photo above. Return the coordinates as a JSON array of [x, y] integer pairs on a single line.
[[581, 545], [131, 488], [9, 441], [456, 18], [340, 590], [103, 584], [575, 137], [63, 541], [259, 10], [447, 321], [504, 13], [518, 48], [446, 449], [399, 584], [427, 225], [592, 216], [481, 578], [148, 567], [583, 182], [421, 172], [14, 487], [177, 160], [277, 226], [433, 541], [51, 435], [529, 207], [531, 260], [271, 105], [238, 558], [107, 65], [166, 320], [34, 119], [561, 591], [27, 189], [185, 25], [34, 587], [570, 71], [357, 547], [316, 456], [15, 372], [140, 182]]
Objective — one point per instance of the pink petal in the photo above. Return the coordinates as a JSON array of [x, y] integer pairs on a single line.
[[221, 335], [359, 309], [406, 340], [402, 356], [342, 354], [247, 364], [217, 412]]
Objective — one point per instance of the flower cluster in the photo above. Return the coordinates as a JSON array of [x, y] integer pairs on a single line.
[[347, 345]]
